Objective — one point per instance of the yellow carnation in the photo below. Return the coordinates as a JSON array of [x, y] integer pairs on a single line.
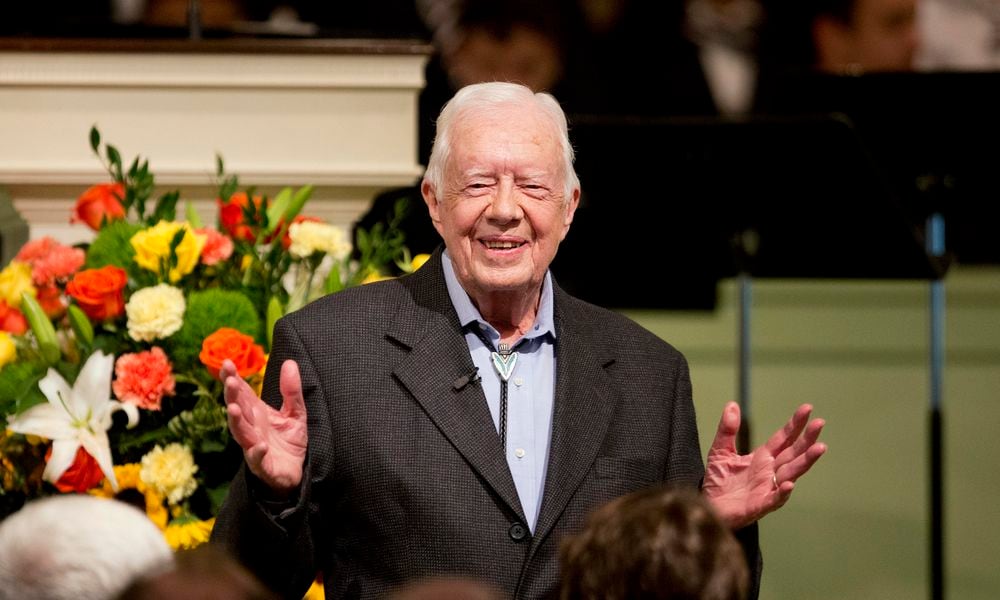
[[155, 312], [309, 237], [152, 248], [8, 351], [14, 279], [170, 471]]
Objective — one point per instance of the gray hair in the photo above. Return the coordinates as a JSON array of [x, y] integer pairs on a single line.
[[77, 547], [482, 97]]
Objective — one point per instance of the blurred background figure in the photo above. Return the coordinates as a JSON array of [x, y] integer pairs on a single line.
[[834, 37], [76, 547], [487, 40], [445, 588], [204, 573], [959, 35], [840, 36], [726, 34], [656, 544]]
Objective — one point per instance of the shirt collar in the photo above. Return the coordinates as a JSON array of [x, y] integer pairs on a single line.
[[468, 313]]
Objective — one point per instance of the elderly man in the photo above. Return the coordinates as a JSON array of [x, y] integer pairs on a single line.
[[465, 419]]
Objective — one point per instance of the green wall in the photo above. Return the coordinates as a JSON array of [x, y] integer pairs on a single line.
[[857, 525]]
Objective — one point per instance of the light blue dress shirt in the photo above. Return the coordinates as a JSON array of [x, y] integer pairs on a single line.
[[530, 389]]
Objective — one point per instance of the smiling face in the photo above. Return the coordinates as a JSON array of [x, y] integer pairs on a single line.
[[502, 209]]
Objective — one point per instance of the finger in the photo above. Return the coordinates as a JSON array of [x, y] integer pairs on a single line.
[[228, 370], [787, 435], [782, 494], [244, 433], [806, 440], [238, 393], [729, 425], [255, 458], [293, 404], [798, 466]]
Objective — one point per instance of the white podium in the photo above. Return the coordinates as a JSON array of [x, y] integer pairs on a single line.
[[338, 114]]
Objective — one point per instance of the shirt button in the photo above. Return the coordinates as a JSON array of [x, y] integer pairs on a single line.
[[517, 532], [519, 453], [519, 381]]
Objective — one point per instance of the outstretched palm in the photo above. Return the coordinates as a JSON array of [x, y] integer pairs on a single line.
[[745, 487], [273, 441]]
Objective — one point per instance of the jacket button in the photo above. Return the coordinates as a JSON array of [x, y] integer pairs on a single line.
[[517, 532]]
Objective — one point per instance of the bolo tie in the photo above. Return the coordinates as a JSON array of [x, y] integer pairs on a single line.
[[504, 360]]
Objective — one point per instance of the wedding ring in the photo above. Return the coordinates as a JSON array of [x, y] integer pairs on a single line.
[[774, 479]]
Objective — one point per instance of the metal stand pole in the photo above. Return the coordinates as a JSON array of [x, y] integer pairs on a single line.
[[743, 374], [936, 247]]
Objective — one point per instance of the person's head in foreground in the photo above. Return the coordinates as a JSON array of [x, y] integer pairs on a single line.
[[501, 190], [77, 547], [445, 588], [660, 543], [204, 573]]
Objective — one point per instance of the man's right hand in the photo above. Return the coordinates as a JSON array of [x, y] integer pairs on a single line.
[[273, 441]]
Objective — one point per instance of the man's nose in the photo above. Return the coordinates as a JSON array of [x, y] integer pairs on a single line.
[[505, 205]]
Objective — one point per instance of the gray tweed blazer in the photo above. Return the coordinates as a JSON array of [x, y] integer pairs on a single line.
[[405, 476]]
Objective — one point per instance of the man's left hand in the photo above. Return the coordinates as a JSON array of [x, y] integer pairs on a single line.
[[745, 487]]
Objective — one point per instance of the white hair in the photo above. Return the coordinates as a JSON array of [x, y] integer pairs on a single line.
[[77, 547], [483, 97]]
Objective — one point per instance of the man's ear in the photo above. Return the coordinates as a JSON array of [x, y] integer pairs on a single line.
[[433, 204], [571, 205]]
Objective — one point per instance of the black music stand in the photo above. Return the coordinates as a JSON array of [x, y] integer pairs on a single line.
[[935, 135], [792, 196]]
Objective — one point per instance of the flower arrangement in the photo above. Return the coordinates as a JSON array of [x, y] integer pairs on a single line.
[[110, 351]]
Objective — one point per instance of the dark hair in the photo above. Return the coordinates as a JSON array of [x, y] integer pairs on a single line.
[[207, 572], [660, 543]]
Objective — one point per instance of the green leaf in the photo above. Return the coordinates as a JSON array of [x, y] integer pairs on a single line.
[[220, 167], [116, 161], [363, 240], [95, 138], [228, 188], [333, 282], [166, 207], [277, 209], [299, 200], [134, 167], [17, 380], [192, 215]]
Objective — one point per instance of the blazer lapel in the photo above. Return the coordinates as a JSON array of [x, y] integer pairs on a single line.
[[584, 404], [438, 357]]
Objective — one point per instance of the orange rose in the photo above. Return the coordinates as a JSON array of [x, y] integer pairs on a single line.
[[99, 292], [100, 203], [237, 347], [82, 475]]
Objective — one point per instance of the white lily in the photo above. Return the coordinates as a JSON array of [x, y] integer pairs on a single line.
[[76, 416]]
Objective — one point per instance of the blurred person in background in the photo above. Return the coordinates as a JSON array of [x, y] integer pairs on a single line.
[[832, 37]]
